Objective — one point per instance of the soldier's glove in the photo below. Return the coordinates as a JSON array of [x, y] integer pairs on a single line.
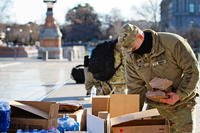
[[173, 98], [156, 95], [161, 83]]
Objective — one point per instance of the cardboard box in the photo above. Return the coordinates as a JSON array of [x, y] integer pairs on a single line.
[[96, 124], [104, 106], [133, 116], [134, 123], [143, 126], [100, 103], [116, 104], [129, 123], [33, 115], [121, 104], [74, 111], [125, 117]]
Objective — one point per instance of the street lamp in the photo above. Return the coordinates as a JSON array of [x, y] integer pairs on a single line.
[[7, 35], [20, 30], [110, 37], [30, 36]]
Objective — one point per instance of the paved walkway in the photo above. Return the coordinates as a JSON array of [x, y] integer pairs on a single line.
[[32, 79]]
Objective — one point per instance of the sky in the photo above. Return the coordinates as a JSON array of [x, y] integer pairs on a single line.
[[24, 11]]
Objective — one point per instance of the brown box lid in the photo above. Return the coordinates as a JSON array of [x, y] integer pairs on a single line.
[[133, 116], [123, 104]]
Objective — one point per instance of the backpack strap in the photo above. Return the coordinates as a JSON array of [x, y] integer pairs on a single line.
[[118, 66], [111, 89], [79, 66]]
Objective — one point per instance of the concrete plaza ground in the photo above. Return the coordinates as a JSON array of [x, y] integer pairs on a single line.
[[33, 79]]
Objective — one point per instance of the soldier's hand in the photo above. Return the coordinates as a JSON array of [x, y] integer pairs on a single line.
[[173, 98]]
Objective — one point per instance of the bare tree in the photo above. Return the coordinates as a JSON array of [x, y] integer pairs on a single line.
[[5, 6], [84, 24], [116, 14], [150, 11], [111, 23]]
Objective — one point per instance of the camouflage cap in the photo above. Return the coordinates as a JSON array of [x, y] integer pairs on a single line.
[[127, 35]]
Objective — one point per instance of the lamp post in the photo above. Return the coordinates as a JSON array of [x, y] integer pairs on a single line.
[[110, 37], [30, 36], [20, 30], [7, 35]]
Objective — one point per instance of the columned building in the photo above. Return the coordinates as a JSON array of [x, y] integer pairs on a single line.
[[179, 14]]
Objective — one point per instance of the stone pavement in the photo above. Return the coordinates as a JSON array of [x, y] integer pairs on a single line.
[[33, 79]]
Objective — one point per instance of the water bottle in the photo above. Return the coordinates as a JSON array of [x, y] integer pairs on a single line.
[[61, 124], [72, 125], [19, 131], [35, 131], [67, 124], [43, 131], [4, 116], [93, 91], [26, 131]]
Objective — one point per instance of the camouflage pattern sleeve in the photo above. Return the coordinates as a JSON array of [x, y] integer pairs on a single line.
[[89, 81], [118, 80], [188, 62], [135, 84]]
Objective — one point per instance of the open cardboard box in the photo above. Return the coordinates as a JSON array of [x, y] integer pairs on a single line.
[[74, 111], [116, 104], [33, 115], [100, 103], [125, 117], [135, 123], [142, 126]]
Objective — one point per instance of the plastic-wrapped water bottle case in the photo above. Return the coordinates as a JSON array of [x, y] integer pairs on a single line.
[[4, 116], [67, 124]]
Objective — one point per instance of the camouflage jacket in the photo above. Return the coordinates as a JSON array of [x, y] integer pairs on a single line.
[[171, 57]]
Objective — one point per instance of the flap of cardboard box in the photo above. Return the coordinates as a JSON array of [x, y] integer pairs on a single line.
[[41, 105], [95, 124], [69, 107], [29, 109], [121, 104], [46, 110], [143, 122], [51, 108], [151, 125], [133, 116], [100, 103]]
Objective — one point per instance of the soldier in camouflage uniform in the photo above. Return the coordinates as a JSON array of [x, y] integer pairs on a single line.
[[152, 54], [116, 83]]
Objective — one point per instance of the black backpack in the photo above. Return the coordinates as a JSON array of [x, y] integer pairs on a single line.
[[77, 73], [102, 61]]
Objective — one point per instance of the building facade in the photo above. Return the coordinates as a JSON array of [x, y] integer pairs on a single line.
[[50, 35], [179, 14]]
